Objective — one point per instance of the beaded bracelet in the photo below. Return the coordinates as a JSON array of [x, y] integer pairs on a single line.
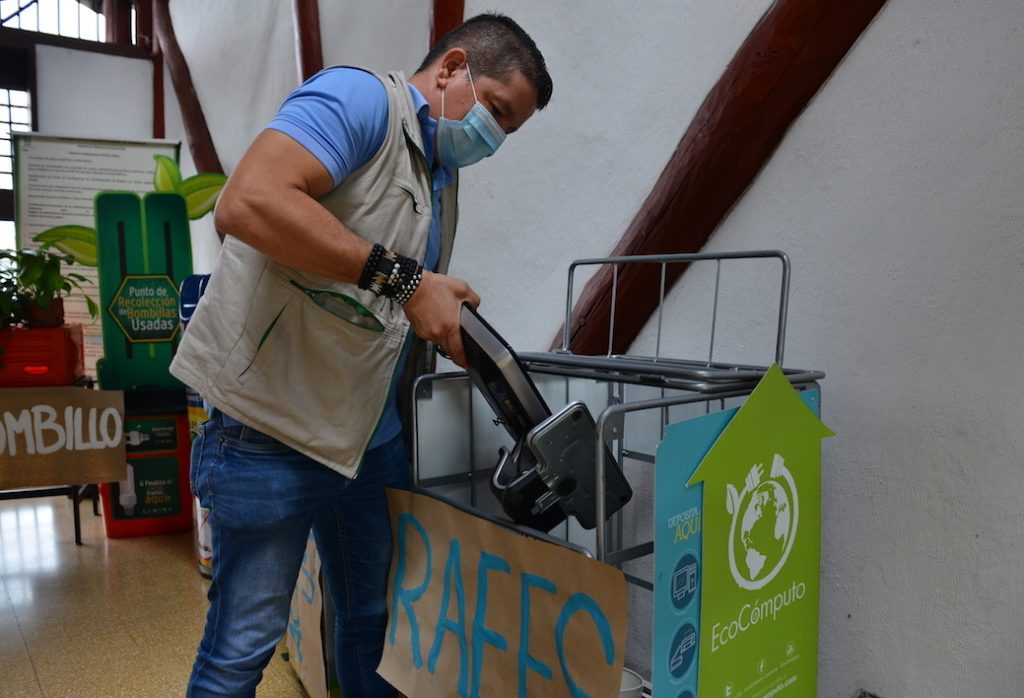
[[390, 274]]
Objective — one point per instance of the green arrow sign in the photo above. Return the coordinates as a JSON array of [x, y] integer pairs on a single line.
[[145, 308], [761, 548]]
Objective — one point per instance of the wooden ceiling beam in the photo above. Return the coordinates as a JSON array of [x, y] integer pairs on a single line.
[[117, 14], [447, 15], [307, 37]]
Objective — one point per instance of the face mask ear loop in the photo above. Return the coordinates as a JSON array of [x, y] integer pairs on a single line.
[[442, 102], [471, 85]]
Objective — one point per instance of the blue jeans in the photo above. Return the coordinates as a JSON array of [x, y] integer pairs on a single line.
[[264, 498]]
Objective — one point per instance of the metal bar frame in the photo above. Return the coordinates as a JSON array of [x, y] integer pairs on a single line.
[[606, 421], [665, 259]]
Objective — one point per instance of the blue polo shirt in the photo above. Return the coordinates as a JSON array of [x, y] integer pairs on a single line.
[[340, 115]]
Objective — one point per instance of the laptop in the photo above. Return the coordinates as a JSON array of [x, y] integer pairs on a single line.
[[549, 474]]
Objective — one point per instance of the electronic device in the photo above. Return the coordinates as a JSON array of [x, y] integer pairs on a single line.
[[565, 448], [496, 371], [549, 473]]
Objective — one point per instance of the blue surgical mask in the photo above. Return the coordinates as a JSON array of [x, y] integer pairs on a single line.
[[476, 136]]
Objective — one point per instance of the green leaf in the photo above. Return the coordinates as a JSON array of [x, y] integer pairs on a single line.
[[167, 176], [77, 241], [67, 232], [32, 269], [83, 252], [201, 192], [53, 280]]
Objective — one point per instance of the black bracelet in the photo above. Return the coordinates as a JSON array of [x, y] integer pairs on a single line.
[[410, 278], [390, 274], [372, 262]]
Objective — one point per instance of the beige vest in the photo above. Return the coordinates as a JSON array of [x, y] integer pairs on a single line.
[[304, 358]]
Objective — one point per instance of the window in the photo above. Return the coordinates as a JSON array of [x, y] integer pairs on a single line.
[[76, 19], [77, 24], [7, 235], [15, 116]]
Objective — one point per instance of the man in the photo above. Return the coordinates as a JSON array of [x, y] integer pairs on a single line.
[[339, 222]]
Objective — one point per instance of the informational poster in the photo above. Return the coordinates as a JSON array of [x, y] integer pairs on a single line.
[[150, 489], [737, 553], [56, 183], [60, 436], [152, 484], [476, 609]]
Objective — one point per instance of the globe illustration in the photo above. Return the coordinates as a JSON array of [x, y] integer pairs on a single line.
[[765, 529]]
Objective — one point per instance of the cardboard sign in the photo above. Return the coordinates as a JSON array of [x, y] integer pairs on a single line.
[[308, 628], [61, 436], [477, 609]]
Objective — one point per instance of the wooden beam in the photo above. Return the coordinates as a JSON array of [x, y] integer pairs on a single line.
[[6, 205], [159, 103], [447, 15], [200, 143], [144, 23], [18, 38], [779, 68], [16, 64], [306, 14], [118, 16], [145, 38], [159, 100]]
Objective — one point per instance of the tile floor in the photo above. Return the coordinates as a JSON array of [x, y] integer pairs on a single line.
[[113, 617]]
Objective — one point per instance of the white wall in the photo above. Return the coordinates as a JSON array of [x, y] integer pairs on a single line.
[[90, 95], [381, 36], [243, 61], [93, 95], [241, 55], [898, 196], [626, 85]]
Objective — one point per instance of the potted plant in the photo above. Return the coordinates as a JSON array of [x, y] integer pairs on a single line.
[[33, 285], [36, 347]]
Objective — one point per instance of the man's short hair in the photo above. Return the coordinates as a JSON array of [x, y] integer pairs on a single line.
[[496, 47]]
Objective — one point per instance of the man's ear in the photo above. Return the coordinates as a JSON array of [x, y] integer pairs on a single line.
[[450, 63]]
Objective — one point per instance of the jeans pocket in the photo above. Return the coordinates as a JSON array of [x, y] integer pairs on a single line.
[[245, 439], [195, 458], [206, 452]]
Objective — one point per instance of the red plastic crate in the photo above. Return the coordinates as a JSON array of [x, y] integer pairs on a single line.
[[37, 356]]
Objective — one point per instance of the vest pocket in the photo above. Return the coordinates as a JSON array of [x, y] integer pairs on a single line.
[[418, 205], [263, 340], [345, 307], [314, 381]]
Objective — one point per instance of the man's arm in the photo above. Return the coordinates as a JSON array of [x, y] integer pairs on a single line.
[[270, 203]]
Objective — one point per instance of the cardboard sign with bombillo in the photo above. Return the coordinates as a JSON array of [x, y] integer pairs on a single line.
[[60, 436]]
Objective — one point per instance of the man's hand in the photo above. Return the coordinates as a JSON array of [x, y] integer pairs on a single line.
[[434, 310]]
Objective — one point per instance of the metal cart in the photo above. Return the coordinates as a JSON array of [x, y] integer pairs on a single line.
[[633, 398]]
